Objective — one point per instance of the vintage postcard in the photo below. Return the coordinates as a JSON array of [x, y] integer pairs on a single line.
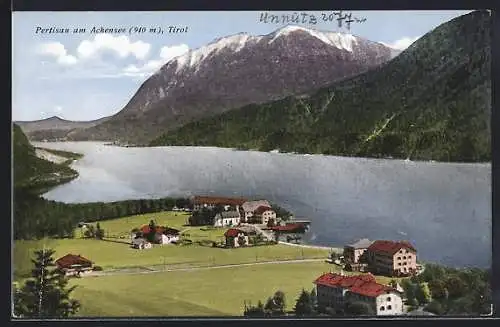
[[251, 164]]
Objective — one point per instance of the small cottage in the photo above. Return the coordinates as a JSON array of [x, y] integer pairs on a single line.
[[236, 238], [72, 264]]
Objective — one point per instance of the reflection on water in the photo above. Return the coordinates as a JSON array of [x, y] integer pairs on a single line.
[[445, 209]]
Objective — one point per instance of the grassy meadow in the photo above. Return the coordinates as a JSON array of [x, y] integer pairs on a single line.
[[202, 292], [208, 292], [116, 253], [211, 292]]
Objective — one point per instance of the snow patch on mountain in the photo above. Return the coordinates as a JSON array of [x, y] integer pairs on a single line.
[[234, 43], [338, 40], [237, 42]]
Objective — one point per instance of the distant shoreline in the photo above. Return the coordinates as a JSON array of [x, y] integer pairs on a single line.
[[277, 152]]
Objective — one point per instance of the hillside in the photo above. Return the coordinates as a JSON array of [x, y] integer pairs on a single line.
[[54, 127], [32, 172], [432, 102], [234, 71]]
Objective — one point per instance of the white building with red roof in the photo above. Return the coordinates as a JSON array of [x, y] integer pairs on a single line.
[[236, 237], [336, 291], [392, 258]]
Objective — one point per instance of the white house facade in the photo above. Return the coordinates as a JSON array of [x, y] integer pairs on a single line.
[[227, 218]]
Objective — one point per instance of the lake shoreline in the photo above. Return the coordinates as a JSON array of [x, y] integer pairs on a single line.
[[346, 198], [294, 153]]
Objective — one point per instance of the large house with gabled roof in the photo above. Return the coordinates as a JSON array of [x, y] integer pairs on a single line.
[[392, 258], [337, 291]]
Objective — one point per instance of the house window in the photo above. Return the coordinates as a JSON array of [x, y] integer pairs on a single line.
[[404, 263], [388, 298], [382, 308], [409, 256], [399, 263], [399, 258], [389, 307]]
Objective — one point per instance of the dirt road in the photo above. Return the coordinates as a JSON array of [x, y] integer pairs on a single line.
[[141, 271]]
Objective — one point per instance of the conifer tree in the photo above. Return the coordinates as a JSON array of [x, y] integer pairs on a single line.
[[304, 305], [46, 293]]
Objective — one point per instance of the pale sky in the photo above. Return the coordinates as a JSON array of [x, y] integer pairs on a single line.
[[88, 76]]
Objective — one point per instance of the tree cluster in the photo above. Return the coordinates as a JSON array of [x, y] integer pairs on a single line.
[[89, 231], [450, 291], [203, 217], [274, 307], [36, 217]]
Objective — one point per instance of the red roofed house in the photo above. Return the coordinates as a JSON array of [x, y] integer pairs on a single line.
[[336, 291], [72, 264], [249, 208], [290, 228], [211, 202], [392, 258], [263, 214], [236, 238]]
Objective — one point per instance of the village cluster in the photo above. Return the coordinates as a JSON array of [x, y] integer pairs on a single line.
[[246, 218]]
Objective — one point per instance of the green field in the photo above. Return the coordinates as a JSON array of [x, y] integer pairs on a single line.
[[116, 253], [211, 292], [203, 292]]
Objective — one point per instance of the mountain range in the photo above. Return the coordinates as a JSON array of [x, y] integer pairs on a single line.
[[54, 127], [232, 72], [431, 102], [307, 91]]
